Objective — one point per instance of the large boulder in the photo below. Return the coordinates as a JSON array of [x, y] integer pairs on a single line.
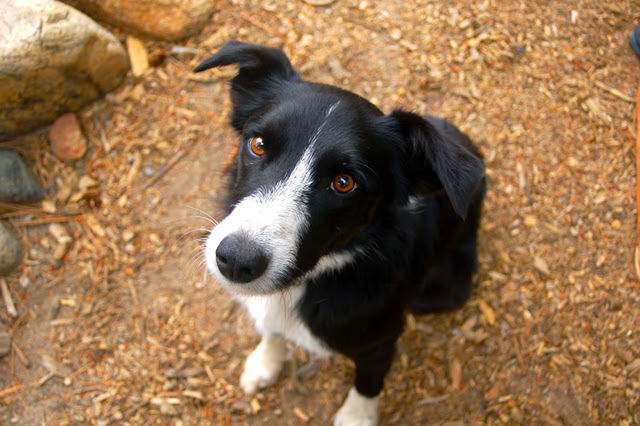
[[54, 60], [163, 19]]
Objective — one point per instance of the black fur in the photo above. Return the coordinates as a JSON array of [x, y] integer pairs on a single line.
[[419, 255]]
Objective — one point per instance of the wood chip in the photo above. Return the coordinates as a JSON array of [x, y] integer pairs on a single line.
[[8, 300], [137, 56], [487, 311], [541, 265], [455, 373], [193, 394], [301, 414], [255, 406], [95, 226]]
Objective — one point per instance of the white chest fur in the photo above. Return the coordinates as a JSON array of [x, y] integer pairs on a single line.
[[276, 314]]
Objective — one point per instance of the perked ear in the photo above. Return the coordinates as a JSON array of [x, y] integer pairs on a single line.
[[262, 70], [441, 156]]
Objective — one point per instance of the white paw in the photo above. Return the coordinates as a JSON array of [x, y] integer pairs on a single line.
[[357, 410], [263, 365]]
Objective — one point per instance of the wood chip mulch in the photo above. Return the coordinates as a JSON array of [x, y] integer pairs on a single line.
[[118, 323]]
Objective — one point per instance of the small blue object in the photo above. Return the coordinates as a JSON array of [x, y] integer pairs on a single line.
[[635, 39]]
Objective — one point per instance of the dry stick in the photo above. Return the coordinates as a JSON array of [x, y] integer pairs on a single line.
[[8, 301], [20, 354], [177, 157], [261, 25], [614, 92], [12, 389], [48, 219]]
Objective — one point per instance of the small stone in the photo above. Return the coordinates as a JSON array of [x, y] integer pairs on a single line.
[[10, 250], [395, 34], [18, 184], [67, 140], [616, 224]]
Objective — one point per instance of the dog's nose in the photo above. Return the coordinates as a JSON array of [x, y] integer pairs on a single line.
[[241, 260]]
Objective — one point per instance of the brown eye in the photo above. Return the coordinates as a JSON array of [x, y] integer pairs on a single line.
[[343, 183], [257, 145]]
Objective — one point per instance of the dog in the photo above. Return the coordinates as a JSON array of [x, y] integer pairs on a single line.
[[340, 219]]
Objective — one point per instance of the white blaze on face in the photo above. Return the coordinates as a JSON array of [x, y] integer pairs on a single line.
[[274, 217]]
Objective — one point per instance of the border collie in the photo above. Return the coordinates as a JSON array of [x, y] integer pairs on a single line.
[[340, 218]]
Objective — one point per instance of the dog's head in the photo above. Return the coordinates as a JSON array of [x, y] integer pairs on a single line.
[[318, 166]]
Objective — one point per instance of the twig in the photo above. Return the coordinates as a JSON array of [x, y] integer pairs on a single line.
[[433, 400], [11, 389], [21, 355], [46, 378], [260, 25], [134, 293], [8, 301], [614, 92], [131, 411], [176, 158], [19, 207], [48, 219]]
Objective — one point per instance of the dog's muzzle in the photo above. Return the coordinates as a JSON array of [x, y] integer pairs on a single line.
[[240, 259]]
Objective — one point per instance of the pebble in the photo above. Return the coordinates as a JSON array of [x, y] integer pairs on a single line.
[[67, 140], [18, 184], [10, 250]]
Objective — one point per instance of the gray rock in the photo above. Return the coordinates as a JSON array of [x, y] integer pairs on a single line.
[[54, 60], [10, 250], [18, 184]]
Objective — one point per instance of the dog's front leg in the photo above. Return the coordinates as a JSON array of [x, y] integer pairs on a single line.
[[361, 406], [263, 365]]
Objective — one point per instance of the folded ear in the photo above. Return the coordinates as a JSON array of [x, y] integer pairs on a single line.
[[438, 155], [262, 70]]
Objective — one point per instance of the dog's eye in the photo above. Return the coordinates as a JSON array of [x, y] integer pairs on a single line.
[[343, 183], [256, 144]]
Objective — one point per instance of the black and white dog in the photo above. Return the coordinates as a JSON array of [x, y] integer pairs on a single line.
[[340, 218]]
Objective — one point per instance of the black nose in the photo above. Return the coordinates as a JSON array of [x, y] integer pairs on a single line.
[[240, 259]]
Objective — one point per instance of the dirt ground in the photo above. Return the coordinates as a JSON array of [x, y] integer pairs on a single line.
[[128, 328]]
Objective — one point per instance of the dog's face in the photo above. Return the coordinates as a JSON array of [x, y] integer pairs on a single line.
[[316, 166]]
